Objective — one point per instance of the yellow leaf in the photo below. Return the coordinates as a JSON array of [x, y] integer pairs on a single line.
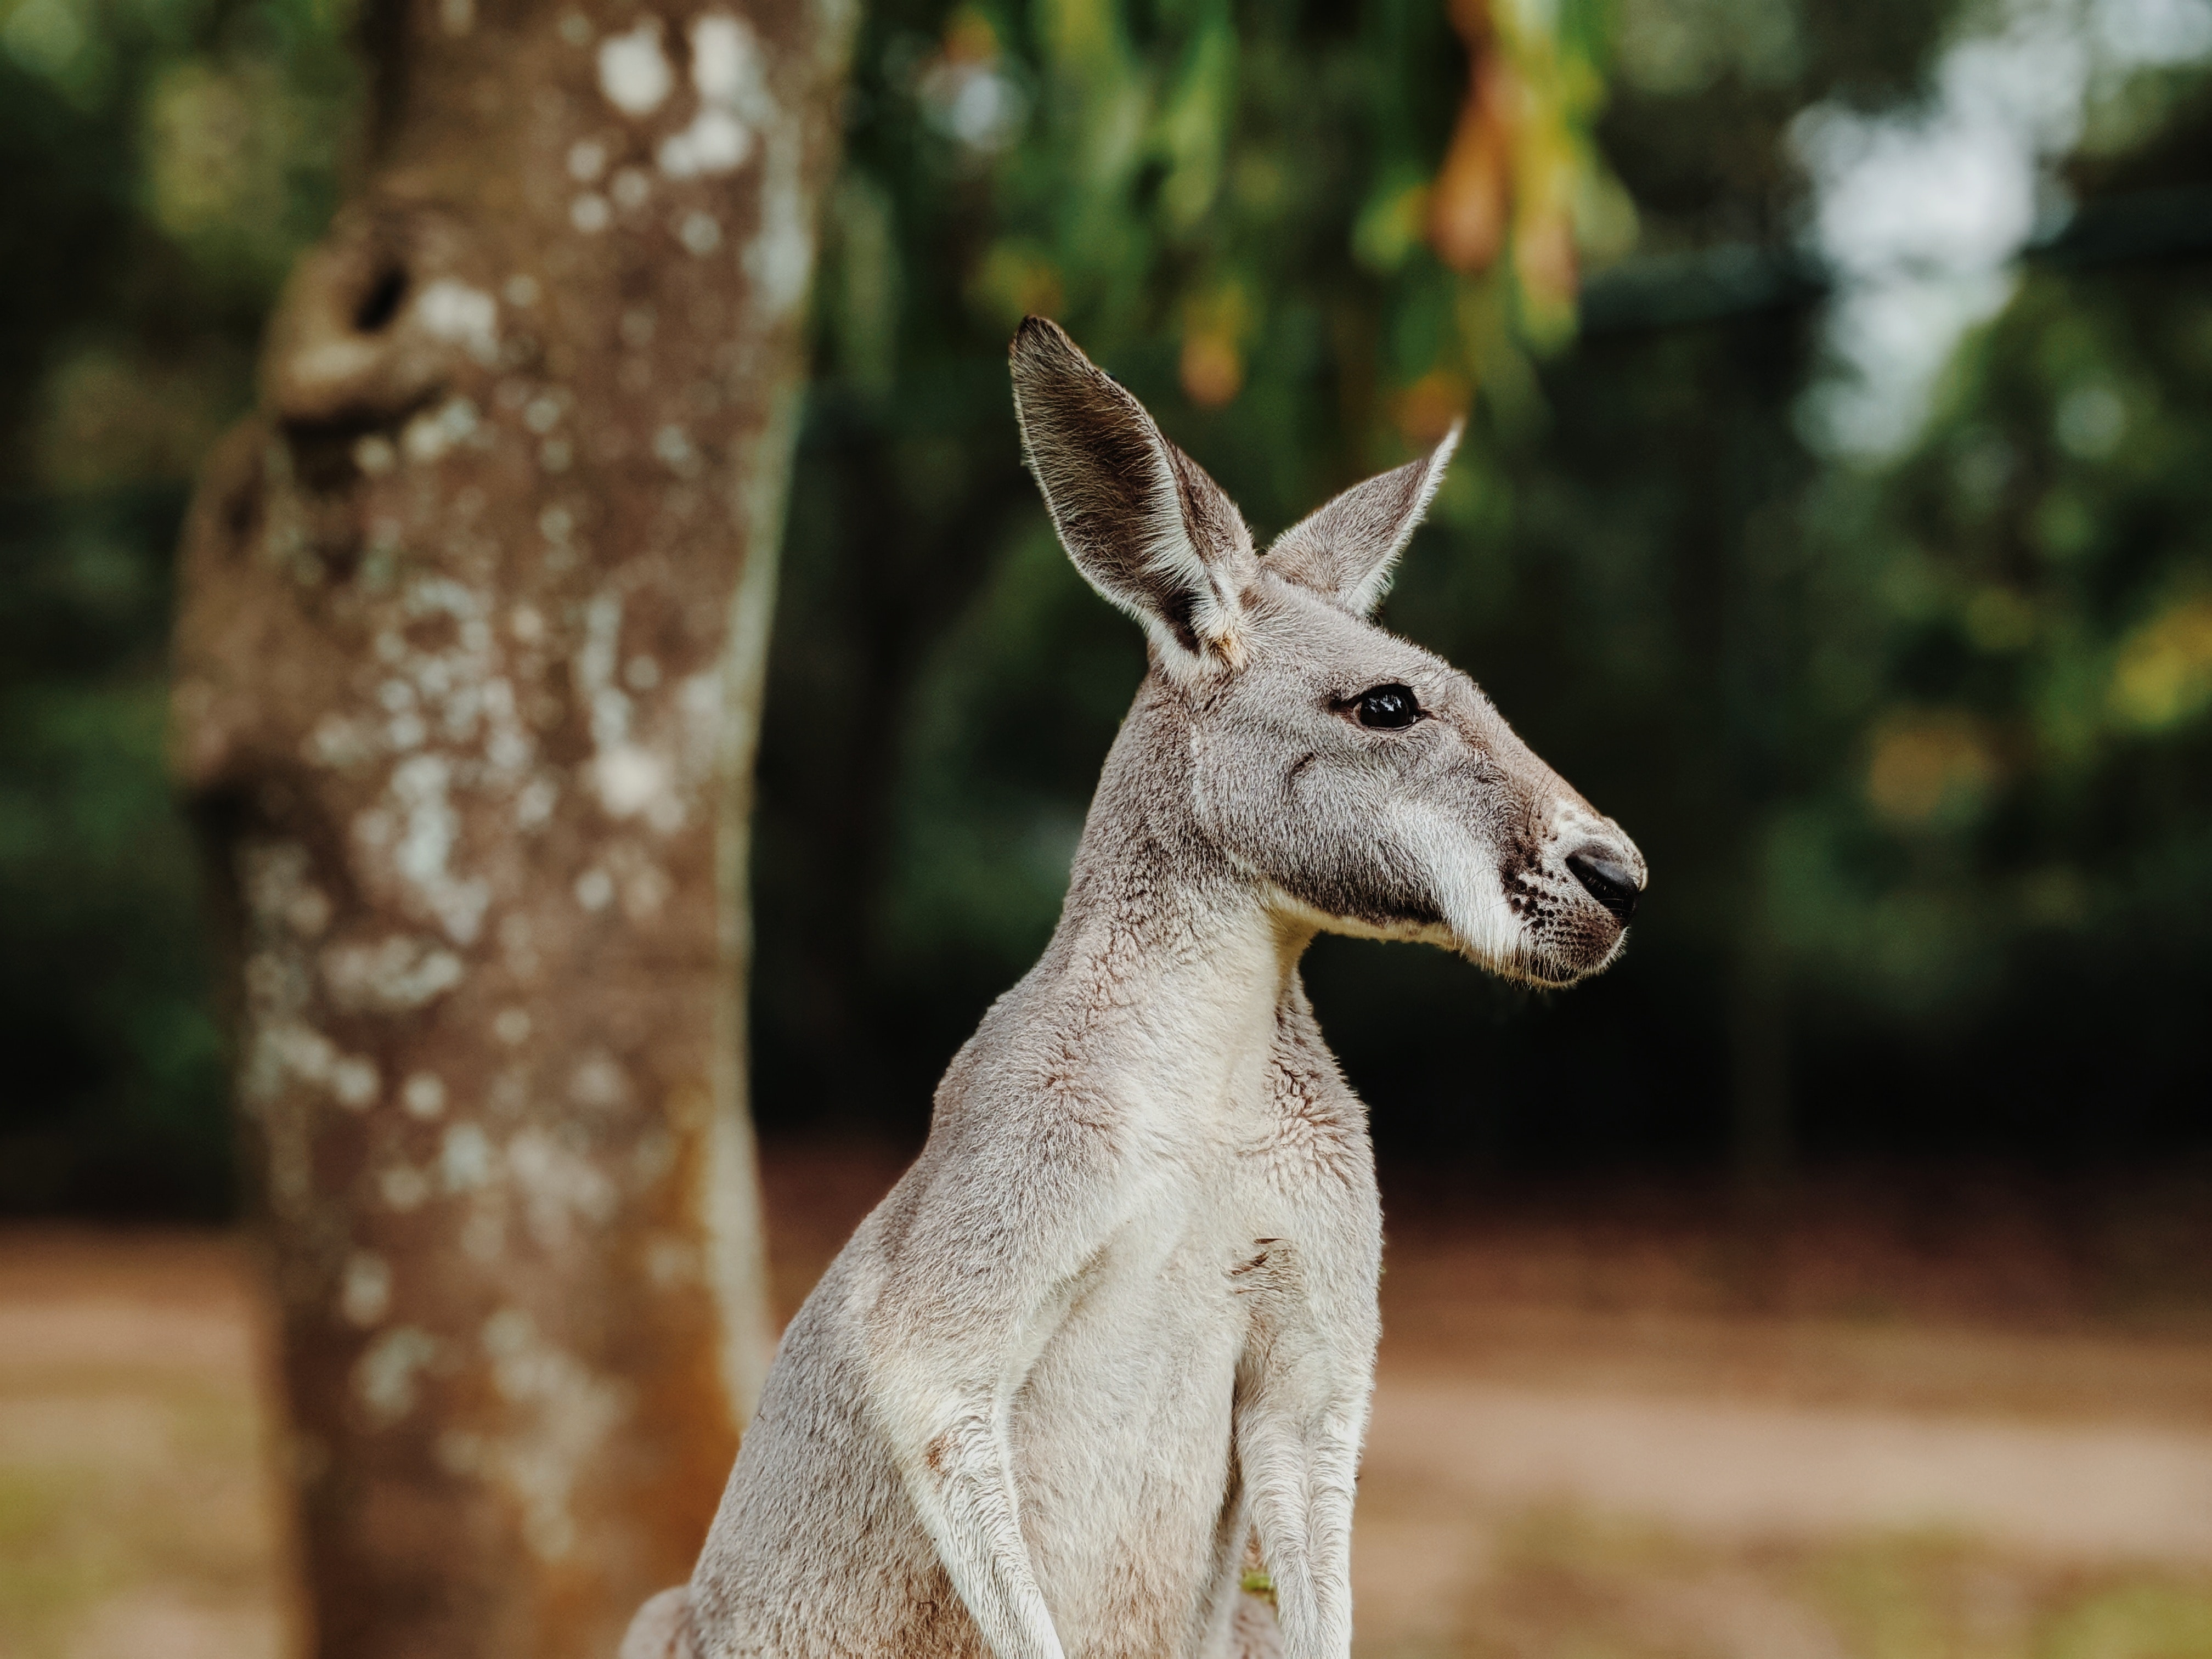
[[2163, 675], [1928, 763]]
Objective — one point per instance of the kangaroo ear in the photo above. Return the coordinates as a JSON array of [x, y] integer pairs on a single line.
[[1345, 550], [1144, 523]]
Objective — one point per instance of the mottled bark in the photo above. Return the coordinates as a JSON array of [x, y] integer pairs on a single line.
[[468, 670]]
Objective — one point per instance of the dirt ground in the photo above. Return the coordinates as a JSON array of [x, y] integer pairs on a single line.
[[1605, 1429]]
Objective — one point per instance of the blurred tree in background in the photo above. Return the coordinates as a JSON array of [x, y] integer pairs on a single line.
[[164, 161], [1914, 738]]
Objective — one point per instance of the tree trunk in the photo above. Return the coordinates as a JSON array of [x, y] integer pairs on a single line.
[[469, 664]]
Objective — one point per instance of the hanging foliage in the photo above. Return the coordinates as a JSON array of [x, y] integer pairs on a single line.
[[1194, 185]]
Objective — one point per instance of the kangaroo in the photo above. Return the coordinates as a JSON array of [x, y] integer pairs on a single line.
[[1109, 1342]]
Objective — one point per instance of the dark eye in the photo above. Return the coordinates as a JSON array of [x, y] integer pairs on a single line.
[[1388, 707]]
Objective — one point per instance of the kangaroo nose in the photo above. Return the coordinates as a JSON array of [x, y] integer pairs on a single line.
[[1608, 880]]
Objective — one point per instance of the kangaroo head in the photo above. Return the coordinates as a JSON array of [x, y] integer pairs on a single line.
[[1367, 784]]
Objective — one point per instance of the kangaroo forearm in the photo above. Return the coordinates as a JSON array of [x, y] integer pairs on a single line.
[[1302, 1499], [979, 1541], [1312, 1605], [961, 1479]]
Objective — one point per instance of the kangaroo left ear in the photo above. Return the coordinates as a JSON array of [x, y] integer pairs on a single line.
[[1142, 521], [1345, 551]]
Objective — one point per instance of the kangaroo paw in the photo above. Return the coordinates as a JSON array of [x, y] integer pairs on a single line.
[[661, 1628]]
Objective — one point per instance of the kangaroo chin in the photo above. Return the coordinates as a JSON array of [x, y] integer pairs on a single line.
[[1109, 1344]]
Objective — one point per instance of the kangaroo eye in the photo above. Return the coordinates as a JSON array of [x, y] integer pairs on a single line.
[[1388, 707]]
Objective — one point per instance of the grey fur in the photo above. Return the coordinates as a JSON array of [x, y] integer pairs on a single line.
[[1117, 1324], [1346, 549]]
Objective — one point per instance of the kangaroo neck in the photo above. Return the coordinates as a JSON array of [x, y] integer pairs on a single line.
[[1165, 979]]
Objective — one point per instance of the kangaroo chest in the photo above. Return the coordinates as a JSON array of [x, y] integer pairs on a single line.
[[1263, 1239]]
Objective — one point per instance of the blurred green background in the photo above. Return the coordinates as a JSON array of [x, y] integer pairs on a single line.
[[1836, 513]]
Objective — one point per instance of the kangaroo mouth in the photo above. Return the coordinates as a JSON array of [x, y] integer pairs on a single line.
[[1571, 916], [1546, 974], [1552, 977], [1590, 945]]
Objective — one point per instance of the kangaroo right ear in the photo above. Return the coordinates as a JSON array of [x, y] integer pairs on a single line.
[[1143, 522], [1345, 550]]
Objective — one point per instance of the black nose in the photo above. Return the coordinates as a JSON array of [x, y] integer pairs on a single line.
[[1608, 880]]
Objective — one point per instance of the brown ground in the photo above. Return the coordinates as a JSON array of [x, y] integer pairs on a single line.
[[1603, 1430]]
